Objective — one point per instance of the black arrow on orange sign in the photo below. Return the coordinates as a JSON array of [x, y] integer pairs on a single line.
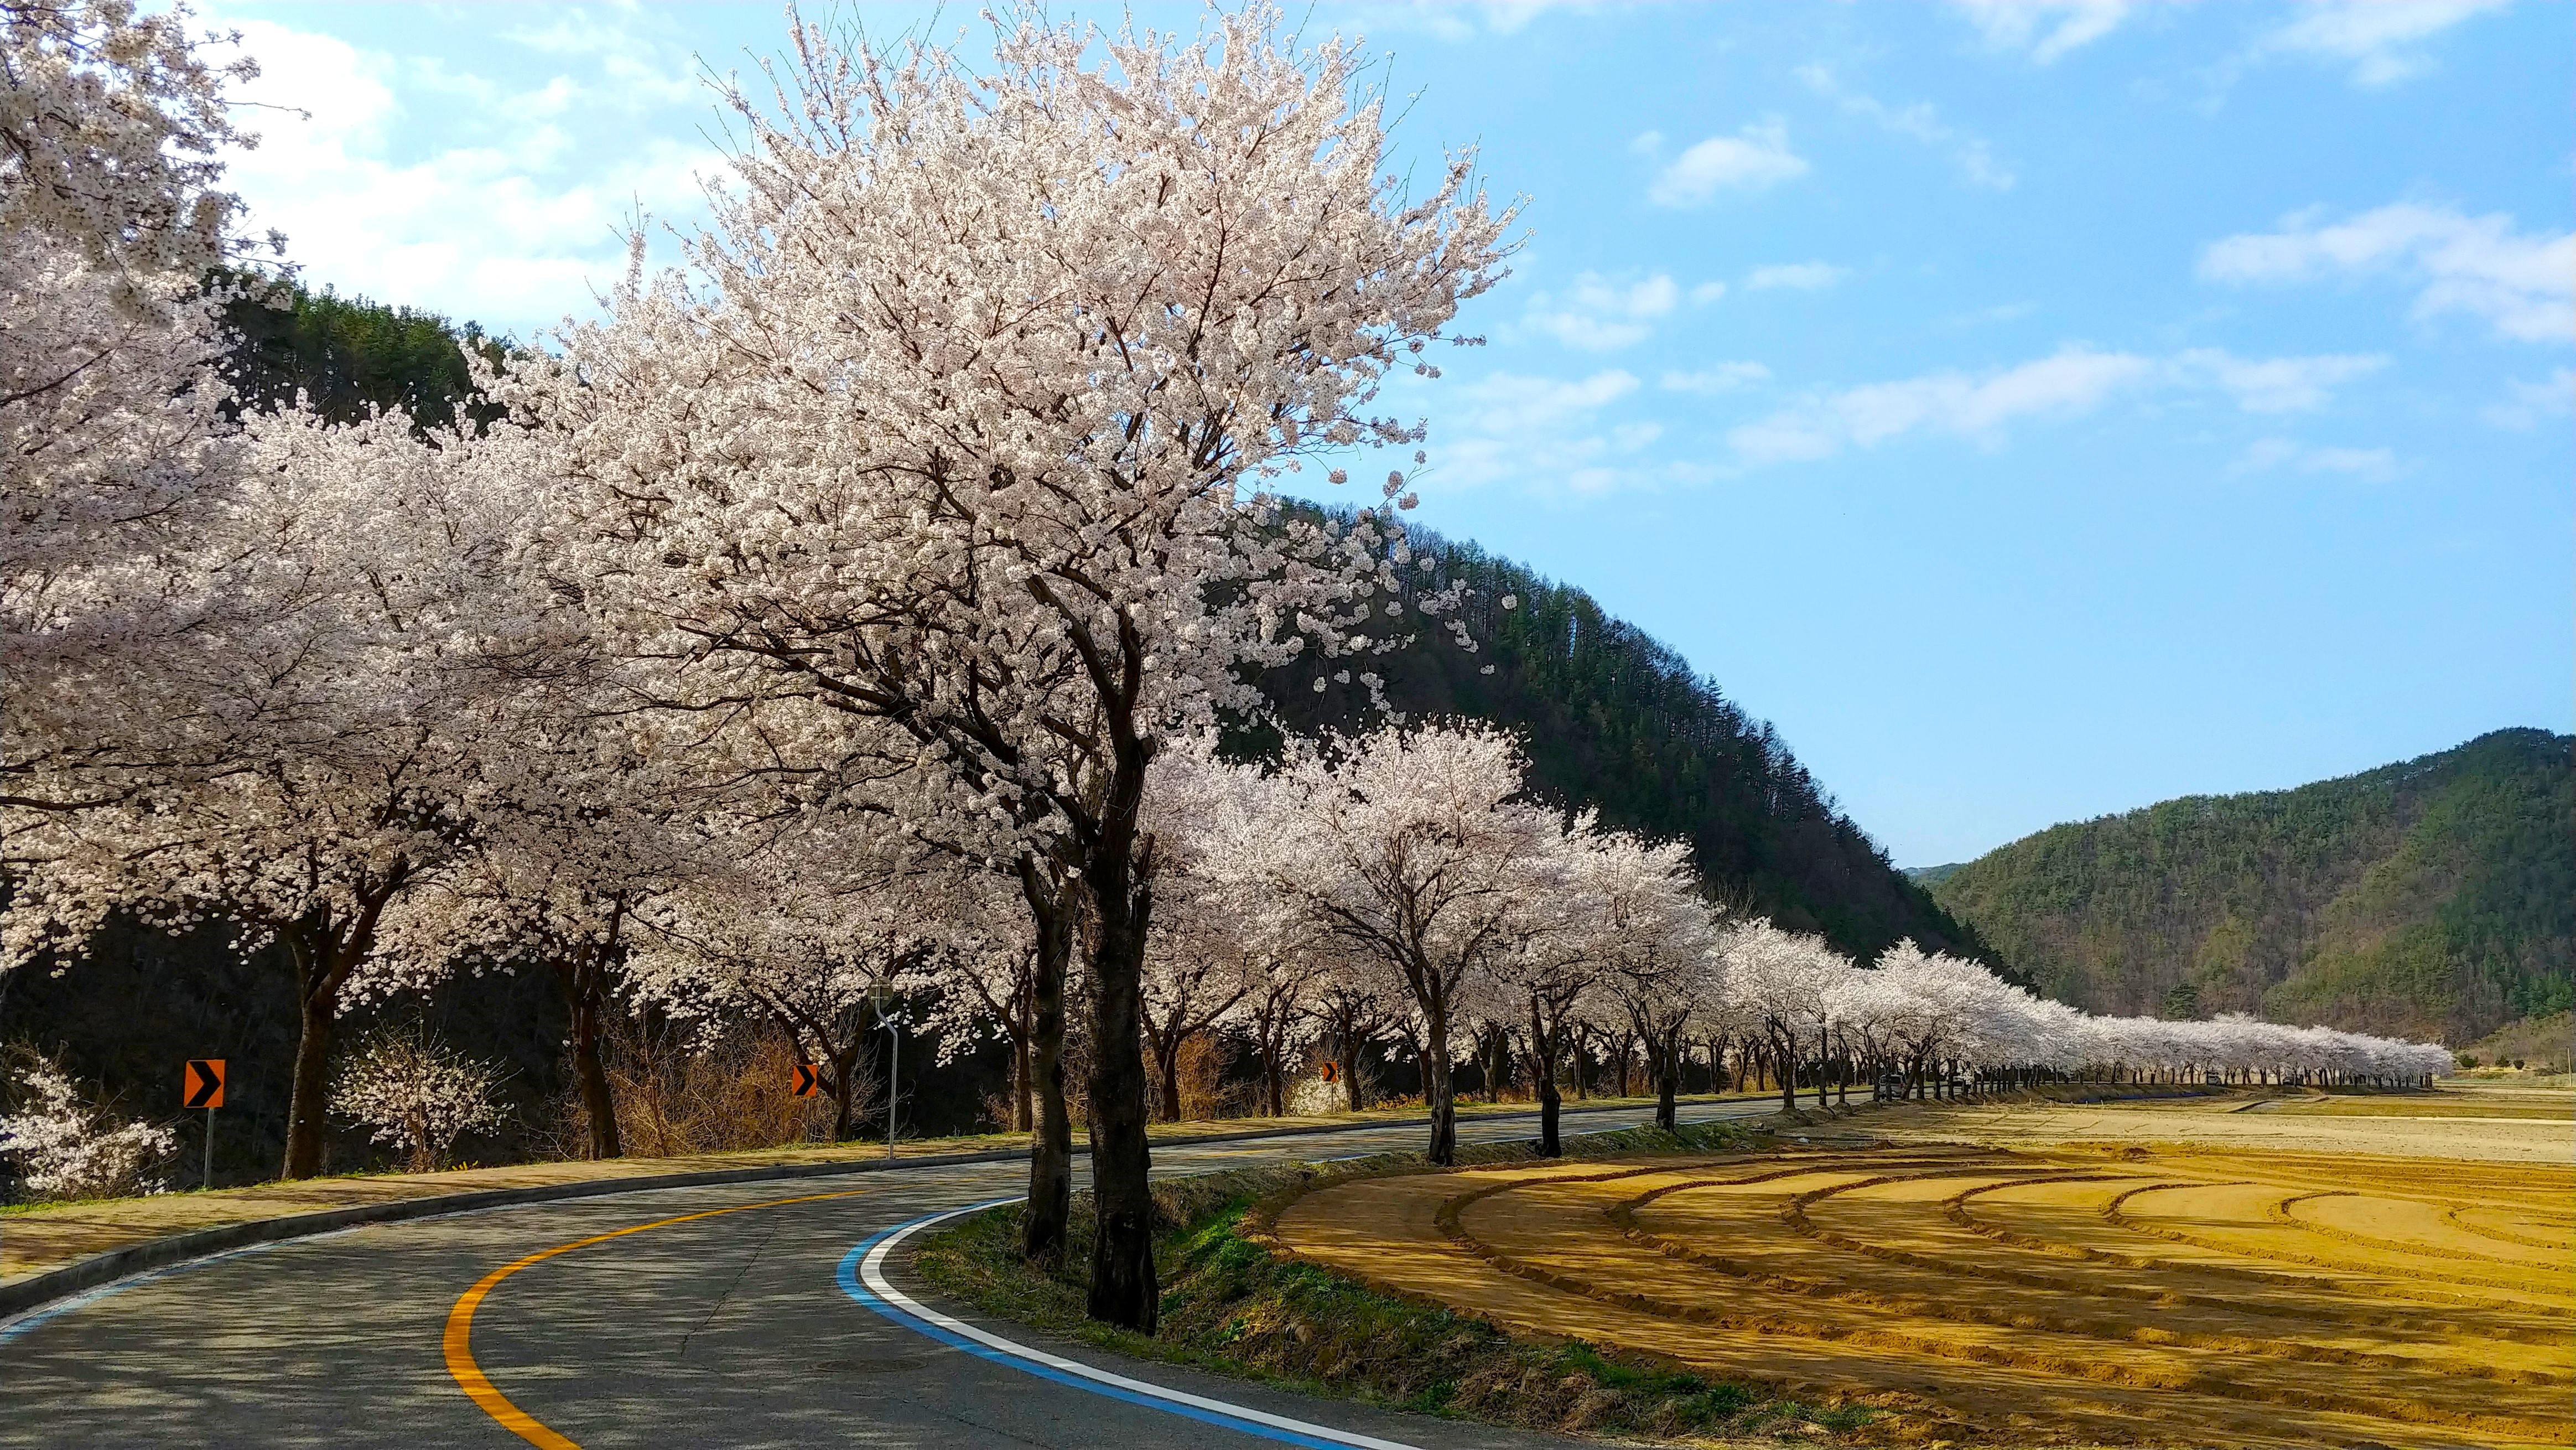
[[809, 1079], [205, 1082]]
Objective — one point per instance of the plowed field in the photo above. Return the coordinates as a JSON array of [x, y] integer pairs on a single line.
[[2194, 1296]]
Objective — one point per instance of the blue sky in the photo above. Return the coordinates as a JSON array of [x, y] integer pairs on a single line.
[[2035, 409]]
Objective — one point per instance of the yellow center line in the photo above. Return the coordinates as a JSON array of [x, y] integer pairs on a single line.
[[459, 1338]]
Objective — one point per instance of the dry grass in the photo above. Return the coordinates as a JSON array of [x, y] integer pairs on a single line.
[[2228, 1292]]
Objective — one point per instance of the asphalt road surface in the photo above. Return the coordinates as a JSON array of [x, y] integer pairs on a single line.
[[747, 1324]]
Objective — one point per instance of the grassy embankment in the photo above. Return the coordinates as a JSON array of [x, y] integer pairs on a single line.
[[1233, 1306]]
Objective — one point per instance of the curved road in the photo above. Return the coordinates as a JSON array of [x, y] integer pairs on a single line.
[[733, 1327]]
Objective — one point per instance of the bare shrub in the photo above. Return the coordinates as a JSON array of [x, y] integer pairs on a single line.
[[681, 1090]]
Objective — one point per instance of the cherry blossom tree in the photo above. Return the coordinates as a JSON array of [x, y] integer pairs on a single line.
[[804, 940], [1784, 980], [1550, 974], [340, 698], [1196, 973], [1348, 1007], [988, 985], [1277, 1013], [1658, 944], [955, 439], [572, 844], [1414, 847], [112, 217]]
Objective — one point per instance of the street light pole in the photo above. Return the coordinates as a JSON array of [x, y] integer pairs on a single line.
[[882, 995]]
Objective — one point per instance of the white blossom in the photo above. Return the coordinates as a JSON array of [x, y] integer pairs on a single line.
[[64, 1147]]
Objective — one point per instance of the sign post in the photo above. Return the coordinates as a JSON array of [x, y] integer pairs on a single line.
[[881, 996], [202, 1086]]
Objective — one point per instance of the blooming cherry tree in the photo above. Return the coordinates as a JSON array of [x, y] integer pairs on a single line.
[[954, 442], [337, 717], [1414, 847], [112, 217], [1658, 941]]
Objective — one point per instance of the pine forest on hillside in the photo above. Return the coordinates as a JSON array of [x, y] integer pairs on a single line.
[[2436, 896]]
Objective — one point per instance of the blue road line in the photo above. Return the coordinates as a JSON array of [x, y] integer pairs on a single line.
[[851, 1285]]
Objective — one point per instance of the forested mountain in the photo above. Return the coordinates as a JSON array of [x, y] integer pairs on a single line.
[[349, 356], [2433, 897]]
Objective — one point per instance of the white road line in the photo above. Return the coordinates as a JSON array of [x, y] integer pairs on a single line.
[[863, 1278]]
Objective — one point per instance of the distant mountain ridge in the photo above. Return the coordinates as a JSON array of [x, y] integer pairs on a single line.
[[2434, 897]]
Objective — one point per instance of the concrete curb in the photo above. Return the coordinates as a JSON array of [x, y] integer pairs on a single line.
[[21, 1295]]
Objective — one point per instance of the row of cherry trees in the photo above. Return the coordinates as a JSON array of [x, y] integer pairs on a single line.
[[852, 606], [875, 551], [1404, 885]]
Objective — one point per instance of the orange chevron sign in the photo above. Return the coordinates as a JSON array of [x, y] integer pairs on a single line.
[[204, 1083]]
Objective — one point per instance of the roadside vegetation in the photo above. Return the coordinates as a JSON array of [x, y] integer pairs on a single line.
[[1232, 1305]]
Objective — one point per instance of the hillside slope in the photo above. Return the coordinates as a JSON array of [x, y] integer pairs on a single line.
[[1619, 721], [2433, 897]]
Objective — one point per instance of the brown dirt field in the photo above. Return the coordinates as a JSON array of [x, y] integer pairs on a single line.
[[2240, 1292]]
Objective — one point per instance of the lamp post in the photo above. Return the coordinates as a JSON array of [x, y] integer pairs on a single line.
[[881, 996]]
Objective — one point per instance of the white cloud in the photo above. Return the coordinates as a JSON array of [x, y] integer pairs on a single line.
[[1599, 315], [2523, 285], [2279, 384], [2075, 380], [1800, 276], [1706, 293], [2377, 38], [2043, 29], [1754, 158], [1647, 143], [1709, 382], [2524, 405], [491, 227], [2373, 465], [1463, 20], [1509, 403], [1918, 122], [1547, 433]]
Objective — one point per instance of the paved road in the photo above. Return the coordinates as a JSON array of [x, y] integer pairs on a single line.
[[730, 1329]]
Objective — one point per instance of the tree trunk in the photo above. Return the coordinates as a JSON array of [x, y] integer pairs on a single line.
[[305, 1123], [1275, 1070], [1167, 1072], [1787, 1064], [1667, 1085], [842, 1091], [1543, 1051], [1042, 1223], [324, 954], [1022, 1096], [1119, 872], [578, 974], [1436, 1091]]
